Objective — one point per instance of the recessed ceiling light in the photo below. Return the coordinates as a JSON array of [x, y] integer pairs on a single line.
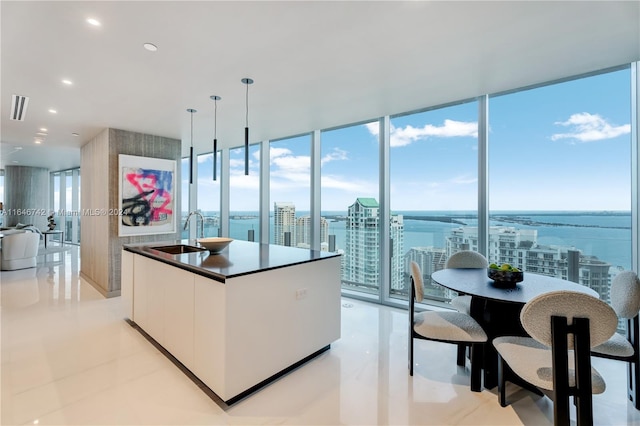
[[150, 47], [75, 134], [53, 111], [43, 129], [94, 22], [41, 133], [38, 141], [67, 82]]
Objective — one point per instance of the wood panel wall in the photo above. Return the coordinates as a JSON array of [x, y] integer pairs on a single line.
[[105, 240], [94, 195]]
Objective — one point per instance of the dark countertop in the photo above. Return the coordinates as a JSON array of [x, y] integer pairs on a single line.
[[239, 258]]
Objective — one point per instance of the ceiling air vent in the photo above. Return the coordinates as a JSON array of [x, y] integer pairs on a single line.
[[18, 107]]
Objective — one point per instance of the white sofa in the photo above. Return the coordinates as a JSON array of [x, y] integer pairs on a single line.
[[19, 251], [18, 229]]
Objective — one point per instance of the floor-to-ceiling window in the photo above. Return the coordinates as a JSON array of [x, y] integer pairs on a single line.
[[350, 204], [433, 192], [560, 179], [289, 184], [65, 203], [208, 191], [244, 194], [559, 190]]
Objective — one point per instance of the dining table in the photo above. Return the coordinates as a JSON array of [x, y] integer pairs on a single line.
[[497, 307]]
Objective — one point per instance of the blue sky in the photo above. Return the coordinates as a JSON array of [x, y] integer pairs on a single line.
[[559, 147]]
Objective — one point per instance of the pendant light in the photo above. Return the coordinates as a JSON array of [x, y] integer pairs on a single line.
[[191, 111], [246, 81], [215, 127]]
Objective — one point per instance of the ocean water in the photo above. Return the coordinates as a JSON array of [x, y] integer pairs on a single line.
[[606, 235]]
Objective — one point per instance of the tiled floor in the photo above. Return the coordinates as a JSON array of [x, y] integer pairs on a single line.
[[68, 357]]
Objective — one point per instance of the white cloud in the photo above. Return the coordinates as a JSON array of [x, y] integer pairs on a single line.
[[235, 163], [464, 180], [586, 127], [286, 162], [291, 163], [403, 136], [373, 127], [239, 181], [236, 167], [336, 154], [349, 185], [289, 181], [279, 152], [290, 172]]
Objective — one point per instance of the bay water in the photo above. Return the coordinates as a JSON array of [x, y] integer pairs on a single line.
[[606, 235]]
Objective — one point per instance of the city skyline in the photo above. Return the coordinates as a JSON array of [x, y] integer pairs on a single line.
[[546, 145]]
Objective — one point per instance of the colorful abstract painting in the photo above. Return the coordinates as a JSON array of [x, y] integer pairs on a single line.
[[147, 195]]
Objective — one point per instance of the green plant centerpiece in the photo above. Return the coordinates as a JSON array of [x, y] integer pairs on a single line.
[[505, 275]]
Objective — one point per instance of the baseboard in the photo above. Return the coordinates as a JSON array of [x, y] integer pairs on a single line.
[[102, 291]]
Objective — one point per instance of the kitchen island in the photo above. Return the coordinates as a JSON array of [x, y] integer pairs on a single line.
[[238, 319]]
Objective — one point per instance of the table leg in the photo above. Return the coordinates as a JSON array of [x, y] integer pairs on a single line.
[[497, 319]]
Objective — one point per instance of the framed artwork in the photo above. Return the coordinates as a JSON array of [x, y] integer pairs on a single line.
[[147, 195]]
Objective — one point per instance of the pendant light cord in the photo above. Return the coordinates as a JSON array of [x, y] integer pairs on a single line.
[[191, 129], [191, 111], [215, 117], [247, 106]]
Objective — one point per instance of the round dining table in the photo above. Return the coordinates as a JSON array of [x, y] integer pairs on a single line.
[[496, 308]]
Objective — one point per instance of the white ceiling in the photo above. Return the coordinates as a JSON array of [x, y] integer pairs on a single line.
[[315, 64]]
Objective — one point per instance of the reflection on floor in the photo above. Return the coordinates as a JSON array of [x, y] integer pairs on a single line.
[[68, 357]]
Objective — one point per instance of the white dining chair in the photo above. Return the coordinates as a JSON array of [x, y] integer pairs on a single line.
[[444, 326], [556, 359], [625, 301], [462, 302], [465, 259]]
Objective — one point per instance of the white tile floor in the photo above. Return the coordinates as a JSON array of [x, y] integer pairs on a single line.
[[68, 357]]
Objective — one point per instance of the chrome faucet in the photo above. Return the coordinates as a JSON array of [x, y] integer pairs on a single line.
[[186, 223]]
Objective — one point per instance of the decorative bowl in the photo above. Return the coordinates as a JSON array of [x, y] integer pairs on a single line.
[[505, 278], [214, 244]]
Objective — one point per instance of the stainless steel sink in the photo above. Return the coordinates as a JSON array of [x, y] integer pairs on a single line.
[[179, 249]]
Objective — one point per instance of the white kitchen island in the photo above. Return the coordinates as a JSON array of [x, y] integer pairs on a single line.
[[239, 319]]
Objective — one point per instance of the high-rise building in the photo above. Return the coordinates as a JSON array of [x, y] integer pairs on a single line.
[[303, 231], [284, 223], [519, 247], [430, 259], [361, 259], [396, 232]]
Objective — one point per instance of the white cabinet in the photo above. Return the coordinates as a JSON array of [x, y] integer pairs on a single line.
[[140, 266], [256, 325], [163, 298], [209, 332], [149, 300], [178, 313], [126, 283], [236, 334]]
